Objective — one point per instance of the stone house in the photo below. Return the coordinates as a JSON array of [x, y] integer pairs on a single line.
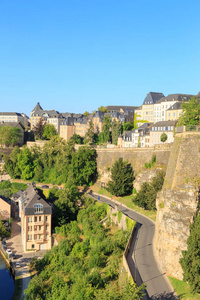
[[158, 128], [35, 215]]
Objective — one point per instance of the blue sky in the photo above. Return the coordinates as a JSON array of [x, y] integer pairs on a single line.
[[76, 55]]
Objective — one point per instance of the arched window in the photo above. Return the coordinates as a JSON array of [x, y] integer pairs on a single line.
[[38, 208]]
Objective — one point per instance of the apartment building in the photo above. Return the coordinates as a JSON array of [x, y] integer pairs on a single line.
[[35, 215], [14, 117], [174, 112], [67, 128], [158, 128]]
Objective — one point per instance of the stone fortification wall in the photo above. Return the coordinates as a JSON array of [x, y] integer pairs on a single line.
[[136, 156], [178, 202]]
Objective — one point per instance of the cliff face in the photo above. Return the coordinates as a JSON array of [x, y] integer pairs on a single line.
[[178, 202]]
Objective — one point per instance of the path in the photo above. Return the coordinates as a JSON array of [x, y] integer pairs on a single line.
[[141, 259]]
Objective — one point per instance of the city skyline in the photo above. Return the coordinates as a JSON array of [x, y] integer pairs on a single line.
[[75, 56]]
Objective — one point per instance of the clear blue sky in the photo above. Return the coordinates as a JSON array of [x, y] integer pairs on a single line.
[[76, 55]]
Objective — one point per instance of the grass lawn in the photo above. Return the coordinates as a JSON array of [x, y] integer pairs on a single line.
[[183, 289], [127, 200]]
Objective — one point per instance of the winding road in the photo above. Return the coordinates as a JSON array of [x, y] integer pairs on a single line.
[[141, 260]]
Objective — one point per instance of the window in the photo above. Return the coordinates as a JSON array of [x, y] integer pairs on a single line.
[[29, 237], [33, 246], [46, 227], [30, 228], [38, 208], [35, 227], [35, 219], [40, 219], [30, 219], [46, 236], [40, 227]]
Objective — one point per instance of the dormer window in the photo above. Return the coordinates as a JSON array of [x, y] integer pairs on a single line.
[[38, 208]]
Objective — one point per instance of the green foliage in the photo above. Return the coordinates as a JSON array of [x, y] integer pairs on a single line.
[[191, 112], [116, 131], [86, 114], [85, 264], [6, 184], [10, 136], [89, 136], [84, 166], [2, 228], [119, 215], [77, 139], [190, 262], [106, 128], [152, 162], [127, 126], [49, 131], [39, 129], [121, 183], [130, 224], [103, 109], [163, 137], [146, 197]]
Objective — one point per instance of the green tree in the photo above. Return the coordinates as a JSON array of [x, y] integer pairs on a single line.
[[2, 228], [121, 182], [106, 127], [163, 137], [116, 131], [84, 166], [191, 112], [86, 114], [26, 163], [49, 131], [127, 126], [10, 136], [89, 136], [39, 129], [77, 139], [103, 109], [190, 262]]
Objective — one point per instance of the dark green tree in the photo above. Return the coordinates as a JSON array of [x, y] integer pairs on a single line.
[[190, 262], [106, 127], [191, 112], [127, 126], [89, 136], [2, 228], [116, 131], [163, 137], [84, 166], [77, 139], [121, 182], [49, 131], [39, 129]]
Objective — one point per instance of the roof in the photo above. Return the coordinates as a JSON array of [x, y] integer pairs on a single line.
[[33, 196], [152, 98], [37, 107], [13, 124], [118, 107], [164, 123], [17, 195], [176, 97], [10, 114], [175, 106], [5, 199]]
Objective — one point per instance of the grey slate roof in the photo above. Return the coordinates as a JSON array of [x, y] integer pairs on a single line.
[[176, 97], [164, 124], [5, 199], [175, 106], [118, 107], [152, 98], [37, 107], [10, 114], [32, 196]]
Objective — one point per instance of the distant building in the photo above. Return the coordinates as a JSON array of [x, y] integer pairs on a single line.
[[158, 128], [35, 215], [67, 128], [14, 117]]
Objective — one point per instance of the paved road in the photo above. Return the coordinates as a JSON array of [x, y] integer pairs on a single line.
[[141, 255]]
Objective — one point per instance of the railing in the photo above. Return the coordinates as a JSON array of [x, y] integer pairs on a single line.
[[187, 128]]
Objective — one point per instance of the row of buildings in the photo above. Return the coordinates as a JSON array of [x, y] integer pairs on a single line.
[[155, 108]]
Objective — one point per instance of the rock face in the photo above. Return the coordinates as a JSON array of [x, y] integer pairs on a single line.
[[178, 202], [144, 176]]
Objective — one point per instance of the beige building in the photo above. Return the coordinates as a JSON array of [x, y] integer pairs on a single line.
[[67, 129], [35, 215], [174, 112], [5, 208], [82, 126], [158, 128]]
